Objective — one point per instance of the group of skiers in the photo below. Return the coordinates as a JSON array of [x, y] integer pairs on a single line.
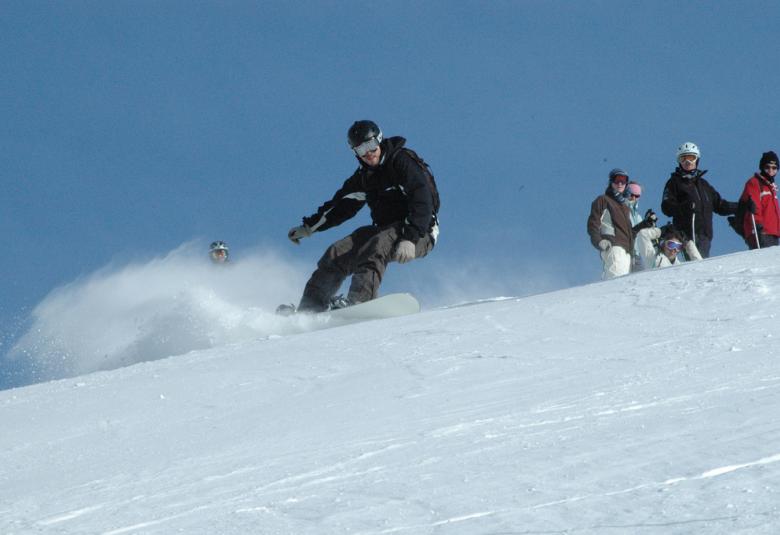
[[628, 241]]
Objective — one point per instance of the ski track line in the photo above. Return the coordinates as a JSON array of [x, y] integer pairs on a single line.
[[444, 522], [142, 525], [69, 515], [715, 472], [319, 475], [322, 474]]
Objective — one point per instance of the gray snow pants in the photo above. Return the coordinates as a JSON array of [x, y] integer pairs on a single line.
[[364, 254]]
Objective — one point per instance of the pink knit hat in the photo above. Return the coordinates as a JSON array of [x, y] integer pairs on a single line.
[[634, 189]]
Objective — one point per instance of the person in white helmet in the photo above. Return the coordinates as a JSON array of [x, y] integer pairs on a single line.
[[219, 252], [690, 200]]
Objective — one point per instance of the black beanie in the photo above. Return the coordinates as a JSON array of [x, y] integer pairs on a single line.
[[767, 157]]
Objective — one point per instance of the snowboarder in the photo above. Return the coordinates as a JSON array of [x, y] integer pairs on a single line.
[[662, 247], [761, 192], [690, 200], [610, 228], [402, 196], [219, 252]]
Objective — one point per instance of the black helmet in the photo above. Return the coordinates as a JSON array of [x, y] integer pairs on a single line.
[[362, 131]]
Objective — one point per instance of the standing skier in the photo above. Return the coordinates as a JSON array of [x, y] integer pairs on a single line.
[[610, 228], [761, 191], [690, 200], [638, 221], [400, 192]]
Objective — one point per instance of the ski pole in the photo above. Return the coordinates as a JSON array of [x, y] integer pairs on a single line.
[[693, 228], [755, 230]]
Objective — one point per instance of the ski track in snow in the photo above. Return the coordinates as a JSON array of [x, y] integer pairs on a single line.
[[71, 515]]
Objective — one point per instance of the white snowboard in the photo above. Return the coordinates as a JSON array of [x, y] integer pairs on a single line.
[[387, 306]]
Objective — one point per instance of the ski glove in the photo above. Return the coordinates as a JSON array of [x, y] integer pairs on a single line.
[[404, 252], [648, 222], [604, 245], [296, 234]]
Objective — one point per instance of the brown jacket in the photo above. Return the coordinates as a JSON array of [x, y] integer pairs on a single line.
[[610, 220]]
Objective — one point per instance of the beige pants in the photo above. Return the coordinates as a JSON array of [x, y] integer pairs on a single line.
[[617, 262]]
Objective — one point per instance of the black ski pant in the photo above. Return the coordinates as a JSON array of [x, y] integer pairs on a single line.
[[364, 254], [703, 244], [764, 240]]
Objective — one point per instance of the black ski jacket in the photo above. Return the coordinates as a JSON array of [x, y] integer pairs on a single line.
[[397, 190], [689, 194]]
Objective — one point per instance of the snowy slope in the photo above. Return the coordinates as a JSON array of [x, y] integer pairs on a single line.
[[643, 405]]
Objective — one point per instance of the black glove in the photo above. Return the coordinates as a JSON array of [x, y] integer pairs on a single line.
[[751, 205], [650, 218], [727, 208], [759, 228]]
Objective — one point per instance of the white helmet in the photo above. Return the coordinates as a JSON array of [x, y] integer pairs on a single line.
[[219, 251], [688, 148]]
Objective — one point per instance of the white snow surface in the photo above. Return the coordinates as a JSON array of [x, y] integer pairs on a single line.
[[647, 404]]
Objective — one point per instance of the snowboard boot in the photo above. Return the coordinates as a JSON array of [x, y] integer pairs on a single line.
[[339, 302]]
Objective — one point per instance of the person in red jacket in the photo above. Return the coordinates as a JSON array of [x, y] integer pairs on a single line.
[[761, 191]]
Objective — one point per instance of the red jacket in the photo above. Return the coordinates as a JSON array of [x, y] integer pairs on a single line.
[[764, 195]]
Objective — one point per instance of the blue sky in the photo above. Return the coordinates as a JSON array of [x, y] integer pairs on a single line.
[[129, 128]]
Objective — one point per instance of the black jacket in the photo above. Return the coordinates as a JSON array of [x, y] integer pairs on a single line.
[[397, 190], [689, 194]]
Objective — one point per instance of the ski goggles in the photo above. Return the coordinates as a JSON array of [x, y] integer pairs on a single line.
[[673, 245], [367, 146]]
